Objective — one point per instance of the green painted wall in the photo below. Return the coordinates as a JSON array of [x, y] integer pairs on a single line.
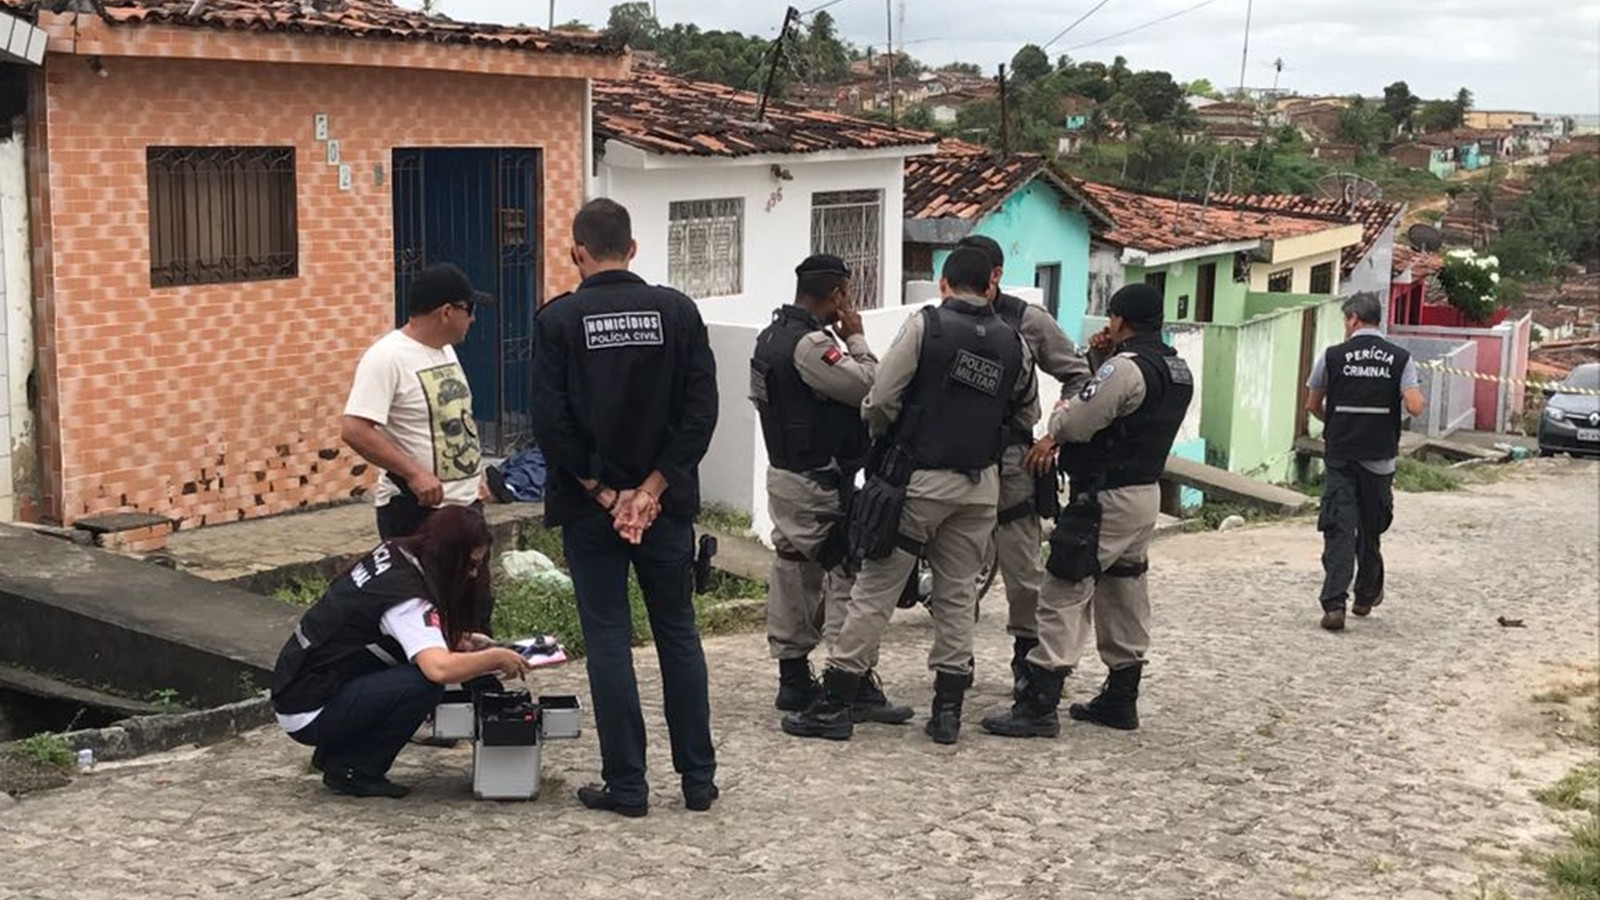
[[1183, 281], [1035, 229]]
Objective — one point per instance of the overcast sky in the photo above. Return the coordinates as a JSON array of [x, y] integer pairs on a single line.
[[1542, 55]]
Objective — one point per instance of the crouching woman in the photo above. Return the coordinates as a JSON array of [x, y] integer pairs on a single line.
[[368, 662]]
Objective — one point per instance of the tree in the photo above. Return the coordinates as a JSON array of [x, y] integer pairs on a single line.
[[635, 24], [961, 68], [1463, 102], [1399, 104], [574, 25], [1202, 87], [1159, 98], [1030, 64], [1437, 115], [1364, 125], [823, 57]]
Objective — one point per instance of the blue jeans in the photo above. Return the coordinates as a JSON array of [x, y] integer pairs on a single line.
[[599, 561], [368, 722]]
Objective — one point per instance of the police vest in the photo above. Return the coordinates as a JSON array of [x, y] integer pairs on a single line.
[[1011, 310], [803, 430], [1363, 402], [338, 639], [957, 403], [1133, 450]]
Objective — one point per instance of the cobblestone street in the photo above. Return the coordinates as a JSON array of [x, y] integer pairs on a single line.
[[1394, 760]]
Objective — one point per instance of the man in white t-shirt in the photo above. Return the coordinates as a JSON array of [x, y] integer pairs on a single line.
[[410, 407], [410, 410]]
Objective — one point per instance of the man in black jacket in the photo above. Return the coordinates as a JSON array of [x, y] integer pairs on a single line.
[[624, 404], [1358, 388]]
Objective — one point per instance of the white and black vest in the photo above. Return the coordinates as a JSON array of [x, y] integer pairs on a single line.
[[1363, 402]]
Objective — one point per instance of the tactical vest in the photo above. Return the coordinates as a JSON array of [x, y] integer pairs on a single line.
[[1363, 402], [803, 430], [1133, 450], [338, 639], [957, 403], [1010, 309]]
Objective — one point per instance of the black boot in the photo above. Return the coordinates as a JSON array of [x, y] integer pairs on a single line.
[[797, 687], [871, 705], [1033, 713], [1116, 706], [944, 724], [1020, 648], [829, 716]]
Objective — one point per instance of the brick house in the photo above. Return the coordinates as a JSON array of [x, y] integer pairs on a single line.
[[226, 197]]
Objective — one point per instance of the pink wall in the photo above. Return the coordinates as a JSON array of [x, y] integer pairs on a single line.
[[1489, 396]]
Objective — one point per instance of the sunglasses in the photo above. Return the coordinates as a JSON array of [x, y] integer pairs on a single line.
[[466, 306]]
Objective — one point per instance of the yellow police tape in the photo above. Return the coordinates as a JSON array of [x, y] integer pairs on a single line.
[[1484, 376]]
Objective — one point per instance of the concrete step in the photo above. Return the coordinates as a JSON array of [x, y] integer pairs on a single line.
[[93, 617], [1219, 484]]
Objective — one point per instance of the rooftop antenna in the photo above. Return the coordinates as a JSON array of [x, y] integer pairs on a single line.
[[789, 17]]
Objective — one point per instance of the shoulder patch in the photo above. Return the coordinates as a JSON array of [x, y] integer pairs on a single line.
[[831, 356], [1106, 371], [431, 618], [1089, 390]]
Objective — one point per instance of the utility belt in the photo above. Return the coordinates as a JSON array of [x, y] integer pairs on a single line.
[[1044, 503], [1075, 542], [835, 548]]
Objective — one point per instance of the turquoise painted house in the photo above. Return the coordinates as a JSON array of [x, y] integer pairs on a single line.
[[1041, 219]]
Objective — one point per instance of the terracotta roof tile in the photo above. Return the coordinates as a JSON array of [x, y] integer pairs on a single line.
[[1421, 263], [1158, 224], [1372, 215], [376, 19], [964, 181], [661, 113]]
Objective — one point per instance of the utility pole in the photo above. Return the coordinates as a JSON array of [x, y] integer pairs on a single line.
[[552, 15], [789, 16], [1005, 116], [1249, 9], [888, 17]]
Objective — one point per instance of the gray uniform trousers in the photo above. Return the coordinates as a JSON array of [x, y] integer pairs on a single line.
[[1018, 546], [953, 518], [1118, 606], [805, 603]]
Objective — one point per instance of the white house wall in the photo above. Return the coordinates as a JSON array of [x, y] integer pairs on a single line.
[[1375, 271], [777, 218], [16, 327]]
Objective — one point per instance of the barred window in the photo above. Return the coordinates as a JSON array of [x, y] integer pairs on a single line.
[[1280, 282], [705, 247], [221, 214], [848, 224], [1322, 278]]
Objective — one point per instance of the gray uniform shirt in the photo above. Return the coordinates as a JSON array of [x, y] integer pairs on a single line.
[[1319, 382], [1054, 353], [883, 404], [1116, 390], [843, 376]]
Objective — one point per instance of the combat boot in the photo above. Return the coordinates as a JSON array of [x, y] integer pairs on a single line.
[[1116, 706], [1033, 713], [871, 705], [829, 715], [944, 723], [1020, 648], [797, 687]]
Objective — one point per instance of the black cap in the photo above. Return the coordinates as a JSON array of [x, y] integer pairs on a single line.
[[438, 285], [989, 246], [1138, 304], [823, 263]]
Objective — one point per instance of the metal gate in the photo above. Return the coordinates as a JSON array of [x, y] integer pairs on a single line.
[[479, 209], [848, 224]]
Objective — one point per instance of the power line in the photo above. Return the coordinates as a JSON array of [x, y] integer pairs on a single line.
[[1076, 22], [1166, 18], [817, 9]]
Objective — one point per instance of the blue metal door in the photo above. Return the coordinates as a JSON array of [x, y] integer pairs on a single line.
[[478, 208]]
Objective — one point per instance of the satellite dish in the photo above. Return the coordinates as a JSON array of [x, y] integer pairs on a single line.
[[1348, 188], [1425, 237]]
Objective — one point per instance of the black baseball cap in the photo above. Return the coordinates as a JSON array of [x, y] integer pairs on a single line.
[[822, 263], [1138, 304], [439, 285]]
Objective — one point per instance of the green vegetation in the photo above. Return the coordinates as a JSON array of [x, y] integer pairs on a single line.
[[1416, 476], [1574, 871], [1556, 224], [1579, 789], [46, 749], [301, 591], [724, 519], [166, 700]]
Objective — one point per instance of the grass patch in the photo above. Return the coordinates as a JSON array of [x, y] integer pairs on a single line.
[[1567, 692], [301, 591], [1574, 871], [1579, 789], [1213, 512], [725, 519], [46, 749], [1418, 477]]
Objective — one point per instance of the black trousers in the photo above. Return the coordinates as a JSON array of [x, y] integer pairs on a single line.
[[1357, 508], [664, 563], [403, 515], [368, 722]]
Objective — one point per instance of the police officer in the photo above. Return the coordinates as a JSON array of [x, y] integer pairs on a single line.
[[1027, 470], [1358, 388], [808, 394], [624, 404], [938, 410], [1115, 435]]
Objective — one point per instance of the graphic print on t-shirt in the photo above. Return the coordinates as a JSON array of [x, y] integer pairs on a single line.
[[456, 454]]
